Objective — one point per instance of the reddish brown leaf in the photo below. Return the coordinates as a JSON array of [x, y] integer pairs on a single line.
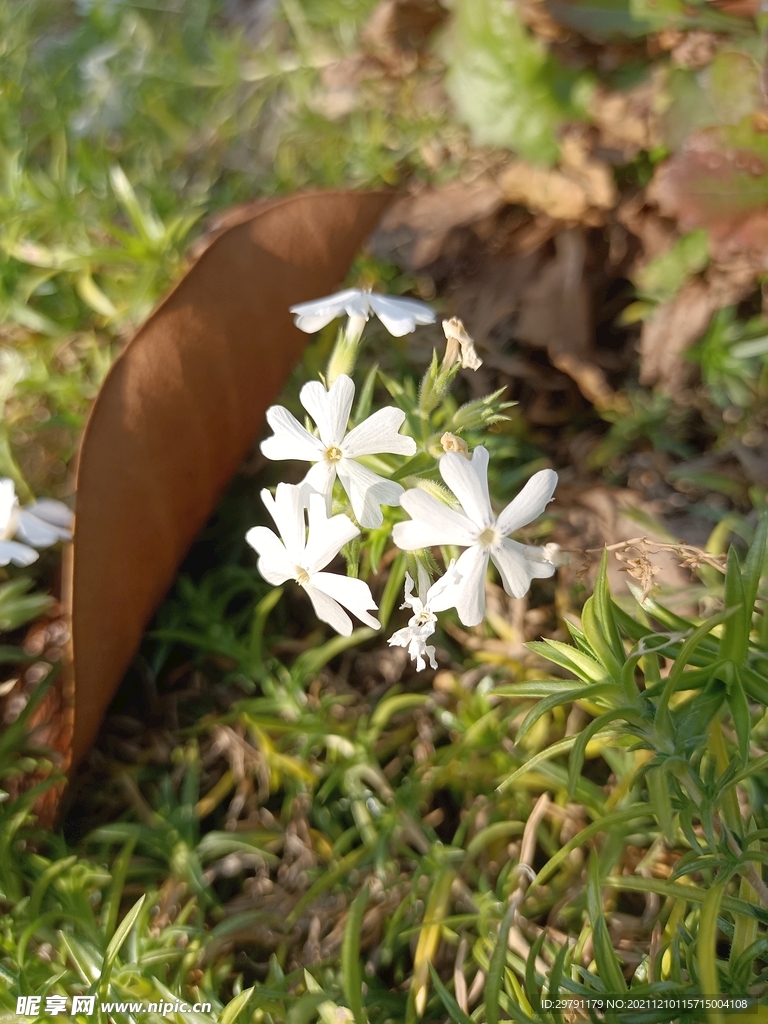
[[723, 189], [179, 410]]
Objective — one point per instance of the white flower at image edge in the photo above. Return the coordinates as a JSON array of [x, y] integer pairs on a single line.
[[399, 316], [300, 556], [40, 524], [421, 625], [478, 530], [334, 452]]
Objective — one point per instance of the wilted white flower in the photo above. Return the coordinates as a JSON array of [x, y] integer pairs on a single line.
[[335, 452], [478, 530], [421, 625], [452, 443], [459, 346], [398, 315], [300, 555], [40, 524]]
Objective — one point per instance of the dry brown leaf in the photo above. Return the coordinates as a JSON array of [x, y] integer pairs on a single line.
[[415, 227], [581, 188], [675, 325], [673, 328], [627, 120], [179, 410], [402, 26]]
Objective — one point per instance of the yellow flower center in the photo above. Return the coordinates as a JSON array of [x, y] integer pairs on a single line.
[[333, 454], [488, 536], [302, 576]]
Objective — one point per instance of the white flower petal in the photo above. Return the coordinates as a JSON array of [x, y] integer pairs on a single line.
[[287, 510], [379, 434], [358, 305], [415, 641], [469, 482], [352, 593], [442, 593], [313, 324], [320, 480], [516, 570], [417, 650], [400, 316], [274, 564], [19, 554], [329, 409], [7, 504], [470, 593], [312, 316], [409, 599], [431, 523], [56, 513], [367, 491], [402, 637], [326, 536], [530, 502], [290, 440], [36, 532], [328, 610]]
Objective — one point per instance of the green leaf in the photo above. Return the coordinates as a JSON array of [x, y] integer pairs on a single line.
[[351, 974], [735, 636], [455, 1012], [576, 759], [607, 962], [504, 83], [599, 644], [496, 969], [706, 942], [575, 661], [664, 275], [605, 618], [661, 802], [742, 720], [235, 1006], [543, 755], [754, 565], [117, 940], [421, 462]]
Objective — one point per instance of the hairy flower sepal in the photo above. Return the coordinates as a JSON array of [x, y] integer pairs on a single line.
[[477, 529], [399, 316], [425, 605], [301, 555], [335, 452]]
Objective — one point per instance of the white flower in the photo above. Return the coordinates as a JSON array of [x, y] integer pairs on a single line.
[[334, 452], [399, 316], [301, 557], [421, 624], [40, 524], [478, 530]]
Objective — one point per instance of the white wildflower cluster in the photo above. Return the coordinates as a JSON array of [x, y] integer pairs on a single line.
[[309, 536]]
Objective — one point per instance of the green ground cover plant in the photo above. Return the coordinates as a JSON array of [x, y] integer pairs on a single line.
[[296, 826]]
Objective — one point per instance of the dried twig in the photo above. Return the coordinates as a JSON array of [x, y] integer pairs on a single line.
[[642, 568]]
